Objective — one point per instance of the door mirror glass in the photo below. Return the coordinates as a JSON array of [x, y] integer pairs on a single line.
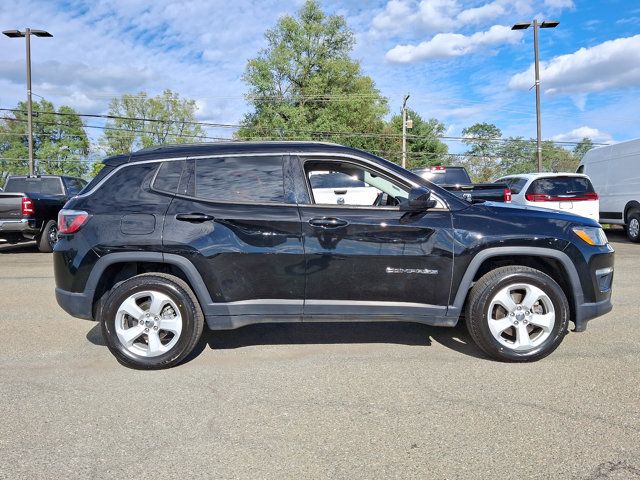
[[419, 200]]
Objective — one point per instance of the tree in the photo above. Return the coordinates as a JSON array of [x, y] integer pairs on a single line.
[[424, 148], [582, 147], [484, 150], [60, 143], [304, 85], [516, 155], [147, 121]]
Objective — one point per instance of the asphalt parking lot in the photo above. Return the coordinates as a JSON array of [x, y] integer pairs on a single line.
[[315, 400]]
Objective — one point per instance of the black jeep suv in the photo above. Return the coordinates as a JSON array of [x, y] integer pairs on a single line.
[[166, 239]]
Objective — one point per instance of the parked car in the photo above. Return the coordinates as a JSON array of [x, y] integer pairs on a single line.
[[29, 207], [233, 234], [457, 181], [569, 192], [615, 173]]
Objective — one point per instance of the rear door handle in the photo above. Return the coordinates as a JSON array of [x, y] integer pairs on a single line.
[[340, 192], [194, 217], [328, 222]]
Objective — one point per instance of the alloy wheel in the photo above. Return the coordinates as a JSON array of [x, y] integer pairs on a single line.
[[148, 323], [521, 316]]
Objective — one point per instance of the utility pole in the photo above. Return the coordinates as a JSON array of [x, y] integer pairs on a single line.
[[536, 54], [27, 35], [404, 131]]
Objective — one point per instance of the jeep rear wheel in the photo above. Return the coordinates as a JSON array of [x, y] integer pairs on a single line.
[[151, 321], [517, 314]]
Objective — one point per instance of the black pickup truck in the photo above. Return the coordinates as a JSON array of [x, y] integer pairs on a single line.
[[29, 207], [458, 182]]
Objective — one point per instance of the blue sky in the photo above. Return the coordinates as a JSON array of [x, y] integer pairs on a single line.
[[458, 59]]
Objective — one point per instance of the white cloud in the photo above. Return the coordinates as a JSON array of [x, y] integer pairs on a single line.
[[579, 133], [609, 65], [102, 49], [488, 11], [558, 4], [444, 45]]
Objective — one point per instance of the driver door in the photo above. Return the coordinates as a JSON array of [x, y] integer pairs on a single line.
[[362, 253]]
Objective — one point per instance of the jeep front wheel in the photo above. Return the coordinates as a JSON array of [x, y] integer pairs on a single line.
[[517, 314], [151, 321]]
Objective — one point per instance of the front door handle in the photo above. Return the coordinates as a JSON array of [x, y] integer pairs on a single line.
[[328, 222], [194, 217]]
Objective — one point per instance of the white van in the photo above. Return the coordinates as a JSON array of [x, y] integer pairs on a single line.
[[614, 171]]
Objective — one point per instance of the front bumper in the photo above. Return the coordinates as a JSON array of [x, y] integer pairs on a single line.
[[587, 311], [76, 304]]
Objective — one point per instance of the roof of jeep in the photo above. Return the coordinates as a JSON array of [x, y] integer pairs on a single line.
[[222, 148]]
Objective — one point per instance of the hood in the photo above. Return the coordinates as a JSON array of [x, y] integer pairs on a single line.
[[497, 208]]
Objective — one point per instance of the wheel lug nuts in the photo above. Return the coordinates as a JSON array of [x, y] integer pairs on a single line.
[[146, 329], [512, 314], [141, 322], [156, 327], [516, 322]]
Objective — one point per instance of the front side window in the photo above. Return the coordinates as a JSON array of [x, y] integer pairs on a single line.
[[249, 179], [74, 185], [338, 183]]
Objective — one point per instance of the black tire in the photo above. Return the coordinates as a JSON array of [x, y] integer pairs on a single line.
[[182, 296], [47, 240], [633, 229], [480, 299]]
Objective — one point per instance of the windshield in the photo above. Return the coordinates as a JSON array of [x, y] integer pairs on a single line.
[[46, 185]]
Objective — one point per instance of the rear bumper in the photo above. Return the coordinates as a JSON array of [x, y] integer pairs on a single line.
[[75, 304], [25, 227]]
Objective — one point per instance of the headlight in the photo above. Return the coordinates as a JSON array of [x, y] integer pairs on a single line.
[[592, 235]]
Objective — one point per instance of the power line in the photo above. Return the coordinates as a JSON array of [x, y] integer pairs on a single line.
[[304, 132]]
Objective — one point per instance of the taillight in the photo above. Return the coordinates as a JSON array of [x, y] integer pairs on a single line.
[[70, 221], [537, 197], [27, 206], [540, 197], [507, 195]]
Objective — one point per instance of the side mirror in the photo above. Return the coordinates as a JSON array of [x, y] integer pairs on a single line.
[[419, 200]]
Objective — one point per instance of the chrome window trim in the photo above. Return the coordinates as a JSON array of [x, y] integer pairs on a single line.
[[256, 154]]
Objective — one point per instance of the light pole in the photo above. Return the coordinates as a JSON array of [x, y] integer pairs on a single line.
[[27, 35], [404, 131], [536, 25]]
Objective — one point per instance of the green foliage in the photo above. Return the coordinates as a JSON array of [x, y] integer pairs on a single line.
[[483, 150], [150, 121], [60, 142], [488, 158], [95, 168], [424, 148], [582, 147], [304, 82]]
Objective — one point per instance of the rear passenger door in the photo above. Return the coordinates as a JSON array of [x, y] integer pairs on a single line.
[[231, 220]]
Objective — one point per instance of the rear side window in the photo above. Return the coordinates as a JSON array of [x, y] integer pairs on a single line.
[[240, 179], [558, 186], [44, 185], [515, 184], [168, 177]]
